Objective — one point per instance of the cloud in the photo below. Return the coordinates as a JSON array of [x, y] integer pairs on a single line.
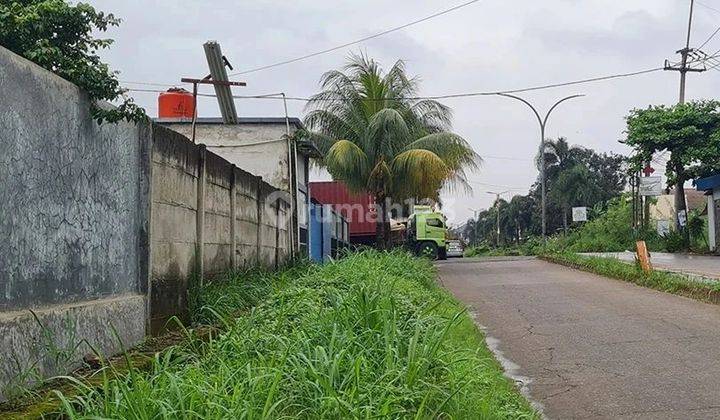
[[490, 45]]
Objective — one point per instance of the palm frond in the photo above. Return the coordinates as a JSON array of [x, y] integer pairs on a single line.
[[389, 132], [455, 151], [418, 173], [348, 163]]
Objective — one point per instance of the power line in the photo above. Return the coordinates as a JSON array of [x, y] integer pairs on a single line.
[[505, 158], [707, 6], [709, 38], [147, 83], [447, 96], [347, 44], [499, 186]]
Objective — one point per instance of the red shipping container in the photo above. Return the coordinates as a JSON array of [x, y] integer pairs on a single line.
[[358, 209]]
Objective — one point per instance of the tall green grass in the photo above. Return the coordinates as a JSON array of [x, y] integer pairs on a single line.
[[371, 336]]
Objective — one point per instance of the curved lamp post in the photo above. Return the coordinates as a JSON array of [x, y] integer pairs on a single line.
[[543, 123]]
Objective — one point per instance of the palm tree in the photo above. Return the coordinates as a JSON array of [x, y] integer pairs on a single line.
[[559, 156], [376, 138], [573, 186]]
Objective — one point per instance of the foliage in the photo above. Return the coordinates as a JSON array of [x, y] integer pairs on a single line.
[[59, 36], [573, 186], [377, 139], [659, 280], [690, 132], [368, 336], [611, 231], [530, 247], [576, 176]]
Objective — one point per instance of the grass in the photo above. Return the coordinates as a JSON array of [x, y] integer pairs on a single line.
[[658, 280], [369, 336]]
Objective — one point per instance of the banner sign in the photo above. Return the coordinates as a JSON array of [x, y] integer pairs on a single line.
[[651, 185], [579, 214]]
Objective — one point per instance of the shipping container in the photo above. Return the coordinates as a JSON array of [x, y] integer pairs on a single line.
[[358, 209]]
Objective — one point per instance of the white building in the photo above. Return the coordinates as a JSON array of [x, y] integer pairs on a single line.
[[261, 146]]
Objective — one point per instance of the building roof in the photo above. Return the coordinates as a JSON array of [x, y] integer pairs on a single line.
[[294, 121], [708, 184]]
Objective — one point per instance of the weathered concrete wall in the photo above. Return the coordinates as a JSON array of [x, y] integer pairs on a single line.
[[73, 222], [93, 219], [190, 184]]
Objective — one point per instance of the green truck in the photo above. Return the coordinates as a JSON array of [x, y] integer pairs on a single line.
[[427, 233]]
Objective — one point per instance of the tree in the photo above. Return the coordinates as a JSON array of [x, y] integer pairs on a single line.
[[519, 215], [690, 132], [59, 37], [559, 155], [377, 139], [573, 186]]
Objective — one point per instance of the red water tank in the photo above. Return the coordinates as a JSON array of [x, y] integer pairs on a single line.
[[176, 103]]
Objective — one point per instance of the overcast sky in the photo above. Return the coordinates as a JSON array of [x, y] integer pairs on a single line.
[[490, 45]]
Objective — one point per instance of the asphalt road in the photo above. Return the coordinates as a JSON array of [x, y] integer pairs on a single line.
[[585, 346]]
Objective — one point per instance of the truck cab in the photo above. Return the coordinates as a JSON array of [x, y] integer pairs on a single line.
[[427, 232]]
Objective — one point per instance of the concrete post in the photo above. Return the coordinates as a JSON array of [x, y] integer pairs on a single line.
[[260, 209], [712, 220], [233, 216], [277, 234], [200, 221], [147, 134]]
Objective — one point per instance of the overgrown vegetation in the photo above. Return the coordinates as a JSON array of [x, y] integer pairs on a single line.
[[369, 336], [59, 36], [608, 230], [530, 247], [576, 176], [659, 280]]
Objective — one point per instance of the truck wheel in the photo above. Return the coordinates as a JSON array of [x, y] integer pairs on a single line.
[[442, 253], [428, 250]]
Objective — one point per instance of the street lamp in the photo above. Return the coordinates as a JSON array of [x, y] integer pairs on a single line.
[[543, 123], [497, 213]]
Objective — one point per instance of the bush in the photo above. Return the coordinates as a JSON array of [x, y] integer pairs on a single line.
[[610, 231]]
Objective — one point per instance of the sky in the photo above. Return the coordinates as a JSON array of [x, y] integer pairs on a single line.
[[489, 45]]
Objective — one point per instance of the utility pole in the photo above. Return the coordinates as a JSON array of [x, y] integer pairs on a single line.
[[497, 214], [683, 68], [543, 124]]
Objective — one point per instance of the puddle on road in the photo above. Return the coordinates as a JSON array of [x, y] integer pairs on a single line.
[[511, 369]]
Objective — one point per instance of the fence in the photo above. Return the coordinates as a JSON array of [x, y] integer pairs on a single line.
[[103, 226], [208, 216]]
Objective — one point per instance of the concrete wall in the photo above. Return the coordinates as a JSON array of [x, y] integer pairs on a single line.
[[73, 223], [186, 177], [94, 219]]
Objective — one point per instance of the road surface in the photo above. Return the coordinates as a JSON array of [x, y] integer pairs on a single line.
[[702, 265], [591, 347]]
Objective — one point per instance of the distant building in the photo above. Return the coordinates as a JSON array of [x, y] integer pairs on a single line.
[[260, 146], [663, 213], [711, 187]]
